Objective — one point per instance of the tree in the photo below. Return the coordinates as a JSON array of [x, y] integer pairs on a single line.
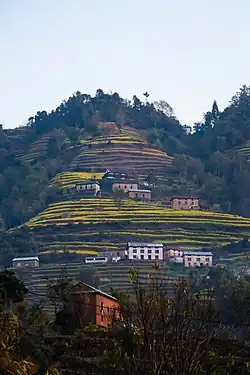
[[12, 290], [90, 275], [146, 94], [168, 330]]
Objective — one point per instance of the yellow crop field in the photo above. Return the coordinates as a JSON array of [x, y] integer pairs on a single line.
[[101, 223], [67, 179]]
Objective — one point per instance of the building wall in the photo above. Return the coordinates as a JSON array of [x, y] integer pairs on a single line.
[[198, 260], [105, 310], [145, 253], [25, 263], [184, 203], [171, 253], [139, 195], [124, 186], [83, 187]]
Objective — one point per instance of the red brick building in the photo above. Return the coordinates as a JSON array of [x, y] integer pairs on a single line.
[[93, 305]]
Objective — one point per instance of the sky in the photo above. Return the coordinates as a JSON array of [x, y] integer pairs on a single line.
[[187, 52]]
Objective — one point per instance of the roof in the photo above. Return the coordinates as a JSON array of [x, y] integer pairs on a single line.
[[184, 198], [139, 190], [125, 181], [95, 290], [88, 182], [24, 258], [144, 244], [197, 253]]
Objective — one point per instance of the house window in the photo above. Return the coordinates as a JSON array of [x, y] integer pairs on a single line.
[[142, 250], [157, 257], [142, 256], [131, 186], [125, 186], [189, 264], [134, 251], [149, 251], [134, 256], [149, 257], [189, 259], [207, 264], [157, 251], [207, 259], [101, 306]]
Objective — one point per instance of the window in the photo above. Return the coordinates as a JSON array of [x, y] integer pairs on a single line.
[[134, 256], [125, 187], [207, 264], [142, 250], [149, 251], [189, 259], [134, 251], [149, 257], [142, 256], [198, 259], [189, 264], [207, 259], [157, 257], [131, 186], [108, 310], [157, 251], [102, 306]]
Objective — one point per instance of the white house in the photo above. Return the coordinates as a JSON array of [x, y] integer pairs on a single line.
[[88, 186], [198, 258], [25, 262], [145, 251]]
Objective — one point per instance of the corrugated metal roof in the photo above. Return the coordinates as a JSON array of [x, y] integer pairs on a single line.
[[95, 290], [24, 258], [197, 253], [135, 244], [139, 191]]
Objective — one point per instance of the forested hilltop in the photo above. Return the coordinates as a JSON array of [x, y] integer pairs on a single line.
[[211, 162]]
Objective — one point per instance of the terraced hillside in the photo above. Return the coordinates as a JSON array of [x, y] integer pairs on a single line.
[[243, 149], [112, 275], [38, 148], [126, 151], [69, 179], [98, 225]]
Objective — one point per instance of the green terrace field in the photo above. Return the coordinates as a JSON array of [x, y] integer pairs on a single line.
[[126, 151], [242, 150], [112, 275], [68, 179], [38, 148], [97, 225]]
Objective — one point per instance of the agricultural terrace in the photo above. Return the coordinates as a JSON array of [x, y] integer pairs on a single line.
[[38, 148], [242, 150], [69, 179], [123, 150], [96, 225]]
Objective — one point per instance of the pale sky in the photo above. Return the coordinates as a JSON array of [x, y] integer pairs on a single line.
[[188, 52]]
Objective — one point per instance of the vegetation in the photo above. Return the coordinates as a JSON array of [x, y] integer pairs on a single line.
[[195, 325], [90, 225]]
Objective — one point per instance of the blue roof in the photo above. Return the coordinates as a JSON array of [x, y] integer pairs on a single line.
[[197, 253]]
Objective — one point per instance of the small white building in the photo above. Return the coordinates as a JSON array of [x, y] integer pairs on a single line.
[[145, 251], [88, 186], [198, 258], [23, 262]]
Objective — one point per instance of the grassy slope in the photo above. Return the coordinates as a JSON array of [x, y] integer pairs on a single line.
[[91, 225], [124, 150]]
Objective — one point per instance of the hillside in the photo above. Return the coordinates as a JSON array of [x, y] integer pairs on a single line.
[[123, 150], [84, 137], [96, 225]]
